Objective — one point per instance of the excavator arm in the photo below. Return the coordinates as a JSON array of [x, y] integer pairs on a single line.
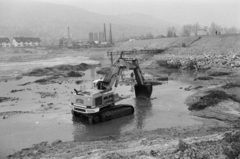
[[142, 89]]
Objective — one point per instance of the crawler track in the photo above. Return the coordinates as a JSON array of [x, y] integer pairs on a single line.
[[110, 113]]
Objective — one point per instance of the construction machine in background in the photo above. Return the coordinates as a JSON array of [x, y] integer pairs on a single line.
[[99, 104]]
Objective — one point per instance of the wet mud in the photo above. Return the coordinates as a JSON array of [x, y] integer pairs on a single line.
[[5, 99], [208, 98]]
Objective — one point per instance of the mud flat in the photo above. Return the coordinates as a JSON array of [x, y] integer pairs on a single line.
[[213, 137]]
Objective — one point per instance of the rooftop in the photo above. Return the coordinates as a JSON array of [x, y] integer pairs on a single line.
[[27, 39], [4, 40]]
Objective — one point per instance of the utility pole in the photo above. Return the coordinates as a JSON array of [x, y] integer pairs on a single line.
[[111, 59], [110, 55]]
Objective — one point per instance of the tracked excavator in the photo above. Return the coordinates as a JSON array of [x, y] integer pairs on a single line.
[[99, 104]]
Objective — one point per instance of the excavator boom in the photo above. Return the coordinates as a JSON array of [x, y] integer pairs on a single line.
[[142, 89]]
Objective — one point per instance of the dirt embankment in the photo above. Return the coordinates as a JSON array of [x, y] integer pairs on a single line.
[[200, 53]]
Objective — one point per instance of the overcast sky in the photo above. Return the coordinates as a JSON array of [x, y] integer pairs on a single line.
[[222, 12]]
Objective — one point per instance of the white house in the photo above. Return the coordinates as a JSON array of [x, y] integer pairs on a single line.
[[26, 41], [4, 42]]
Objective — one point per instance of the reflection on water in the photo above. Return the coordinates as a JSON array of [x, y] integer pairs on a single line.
[[174, 74], [83, 131], [142, 111], [93, 73]]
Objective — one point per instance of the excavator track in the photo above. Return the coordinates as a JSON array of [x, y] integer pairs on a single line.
[[110, 113]]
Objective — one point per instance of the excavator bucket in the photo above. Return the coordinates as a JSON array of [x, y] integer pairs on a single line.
[[143, 91]]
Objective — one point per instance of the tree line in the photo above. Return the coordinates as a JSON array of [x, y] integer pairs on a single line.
[[193, 29], [188, 30]]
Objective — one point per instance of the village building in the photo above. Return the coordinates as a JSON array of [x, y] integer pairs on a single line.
[[26, 41], [4, 42]]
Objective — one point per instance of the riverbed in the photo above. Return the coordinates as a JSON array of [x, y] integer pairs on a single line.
[[49, 118]]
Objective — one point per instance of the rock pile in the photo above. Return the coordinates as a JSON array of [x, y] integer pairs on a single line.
[[215, 146], [203, 61]]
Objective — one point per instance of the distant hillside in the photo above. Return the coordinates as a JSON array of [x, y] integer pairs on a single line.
[[50, 21]]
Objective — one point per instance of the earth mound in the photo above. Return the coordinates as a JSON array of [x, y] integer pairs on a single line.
[[103, 70], [60, 70], [56, 72], [208, 98], [218, 72], [215, 104]]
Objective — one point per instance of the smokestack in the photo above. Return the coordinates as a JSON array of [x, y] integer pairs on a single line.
[[68, 33], [110, 34], [104, 32]]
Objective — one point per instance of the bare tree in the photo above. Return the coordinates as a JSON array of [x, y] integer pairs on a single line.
[[186, 30], [232, 30], [149, 36], [195, 28], [215, 29], [171, 32]]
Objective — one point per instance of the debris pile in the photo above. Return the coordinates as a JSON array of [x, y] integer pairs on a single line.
[[47, 94], [213, 146], [202, 61]]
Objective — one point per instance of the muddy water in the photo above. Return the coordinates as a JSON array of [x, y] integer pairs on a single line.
[[165, 109]]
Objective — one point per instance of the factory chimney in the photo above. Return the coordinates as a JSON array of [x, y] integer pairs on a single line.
[[105, 35], [110, 35], [69, 38], [68, 33]]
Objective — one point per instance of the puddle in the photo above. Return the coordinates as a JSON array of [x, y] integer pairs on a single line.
[[166, 109]]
